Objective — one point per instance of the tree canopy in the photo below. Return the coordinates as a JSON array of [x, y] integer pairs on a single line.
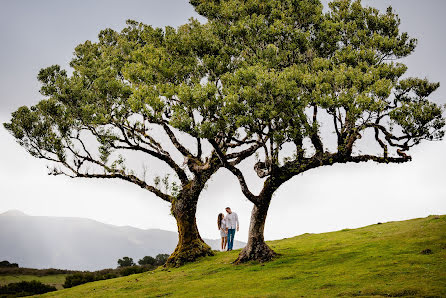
[[126, 262], [299, 75], [114, 117]]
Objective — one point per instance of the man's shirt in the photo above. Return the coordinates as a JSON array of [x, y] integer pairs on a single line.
[[231, 220]]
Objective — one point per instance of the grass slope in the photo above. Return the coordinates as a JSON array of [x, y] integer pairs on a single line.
[[56, 280], [379, 260]]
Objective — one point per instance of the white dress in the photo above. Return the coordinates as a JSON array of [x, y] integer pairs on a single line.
[[223, 232]]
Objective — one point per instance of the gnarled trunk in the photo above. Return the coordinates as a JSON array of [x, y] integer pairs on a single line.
[[190, 245], [256, 249]]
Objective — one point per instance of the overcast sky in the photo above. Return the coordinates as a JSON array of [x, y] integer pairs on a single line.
[[36, 34]]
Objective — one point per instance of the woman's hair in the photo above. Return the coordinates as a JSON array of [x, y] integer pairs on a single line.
[[219, 219]]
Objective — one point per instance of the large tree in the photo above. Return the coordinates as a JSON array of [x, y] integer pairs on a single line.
[[300, 72], [114, 118]]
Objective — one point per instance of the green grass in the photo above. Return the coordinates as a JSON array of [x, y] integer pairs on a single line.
[[379, 260], [53, 280]]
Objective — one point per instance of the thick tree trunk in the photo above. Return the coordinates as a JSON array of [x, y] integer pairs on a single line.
[[190, 245], [256, 249]]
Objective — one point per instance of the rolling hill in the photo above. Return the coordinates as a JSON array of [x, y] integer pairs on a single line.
[[395, 259], [78, 243]]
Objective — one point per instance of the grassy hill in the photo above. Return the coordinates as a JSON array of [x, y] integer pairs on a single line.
[[52, 277], [56, 280], [395, 259]]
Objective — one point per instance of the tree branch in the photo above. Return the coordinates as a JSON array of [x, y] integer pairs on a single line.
[[175, 141], [166, 158], [239, 156], [245, 189], [315, 138]]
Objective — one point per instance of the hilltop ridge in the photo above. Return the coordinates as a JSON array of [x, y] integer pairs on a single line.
[[79, 243], [13, 212]]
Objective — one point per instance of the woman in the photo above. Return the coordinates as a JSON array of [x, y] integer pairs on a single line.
[[223, 231]]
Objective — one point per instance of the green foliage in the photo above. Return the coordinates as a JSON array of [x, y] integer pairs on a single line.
[[378, 260], [80, 278], [56, 280], [147, 260], [121, 87], [6, 264], [288, 59], [257, 72], [125, 262], [25, 288], [33, 271], [161, 259], [51, 276]]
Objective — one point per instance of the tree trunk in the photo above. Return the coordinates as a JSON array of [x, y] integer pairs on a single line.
[[190, 245], [256, 249]]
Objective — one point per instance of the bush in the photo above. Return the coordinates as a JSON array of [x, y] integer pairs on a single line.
[[25, 288], [6, 264], [126, 267], [125, 262], [84, 277], [147, 260], [78, 279], [32, 271], [161, 259]]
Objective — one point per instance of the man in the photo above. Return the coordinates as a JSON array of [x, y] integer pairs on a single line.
[[231, 220]]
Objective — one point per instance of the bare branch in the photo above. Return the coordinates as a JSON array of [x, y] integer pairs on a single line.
[[175, 141], [166, 158], [365, 158], [129, 178], [239, 156], [199, 148], [245, 189], [315, 138]]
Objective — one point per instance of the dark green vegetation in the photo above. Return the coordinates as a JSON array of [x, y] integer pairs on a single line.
[[6, 264], [126, 267], [381, 260], [80, 278], [125, 262], [32, 271], [147, 260], [160, 259], [57, 278], [52, 277], [25, 288], [56, 281]]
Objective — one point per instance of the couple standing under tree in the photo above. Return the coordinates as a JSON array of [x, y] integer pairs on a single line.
[[227, 226]]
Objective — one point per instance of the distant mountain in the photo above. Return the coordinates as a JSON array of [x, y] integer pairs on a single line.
[[78, 243]]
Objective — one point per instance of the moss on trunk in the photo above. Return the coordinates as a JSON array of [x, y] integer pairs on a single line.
[[190, 245]]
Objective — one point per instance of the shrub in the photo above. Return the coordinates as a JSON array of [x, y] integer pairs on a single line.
[[25, 288], [125, 262], [161, 259], [147, 260], [78, 279], [84, 277], [126, 267], [6, 264], [32, 271]]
